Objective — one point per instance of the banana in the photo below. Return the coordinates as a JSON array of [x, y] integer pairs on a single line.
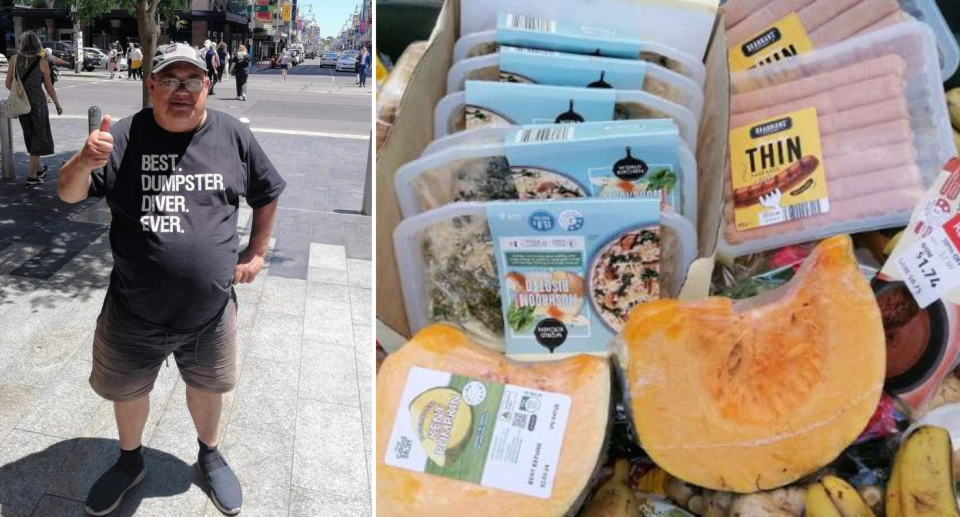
[[926, 479], [956, 139], [953, 105], [615, 498], [893, 489], [819, 503], [845, 497]]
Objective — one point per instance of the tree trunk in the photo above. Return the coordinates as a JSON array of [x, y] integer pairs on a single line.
[[147, 27]]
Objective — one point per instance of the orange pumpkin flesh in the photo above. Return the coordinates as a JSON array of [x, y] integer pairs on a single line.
[[752, 395], [586, 379]]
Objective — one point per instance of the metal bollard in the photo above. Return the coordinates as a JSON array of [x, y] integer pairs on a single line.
[[6, 146], [367, 206], [93, 119]]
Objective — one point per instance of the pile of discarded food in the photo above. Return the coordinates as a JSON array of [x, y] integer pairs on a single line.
[[627, 300]]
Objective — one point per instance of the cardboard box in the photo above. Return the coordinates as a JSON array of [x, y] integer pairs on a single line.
[[413, 131]]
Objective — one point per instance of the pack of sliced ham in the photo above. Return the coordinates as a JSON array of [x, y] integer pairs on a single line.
[[839, 140]]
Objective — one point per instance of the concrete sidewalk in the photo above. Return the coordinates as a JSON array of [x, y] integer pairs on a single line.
[[297, 428]]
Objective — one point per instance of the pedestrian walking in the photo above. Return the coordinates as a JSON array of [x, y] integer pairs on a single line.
[[224, 56], [47, 54], [135, 62], [364, 64], [184, 249], [284, 64], [356, 67], [129, 63], [34, 73], [213, 63], [112, 60], [241, 65]]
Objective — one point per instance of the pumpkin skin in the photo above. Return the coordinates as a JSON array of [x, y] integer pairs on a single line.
[[586, 379], [752, 395]]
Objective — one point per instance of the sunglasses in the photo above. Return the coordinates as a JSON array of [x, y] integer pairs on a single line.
[[172, 84]]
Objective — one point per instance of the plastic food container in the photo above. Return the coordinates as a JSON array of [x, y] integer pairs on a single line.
[[450, 113], [929, 130], [467, 238], [484, 43], [657, 80], [927, 12], [434, 171], [477, 136]]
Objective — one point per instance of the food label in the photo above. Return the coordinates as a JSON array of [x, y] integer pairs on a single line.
[[570, 271], [521, 65], [786, 38], [505, 104], [596, 159], [930, 268], [931, 220], [777, 170], [496, 435], [530, 32]]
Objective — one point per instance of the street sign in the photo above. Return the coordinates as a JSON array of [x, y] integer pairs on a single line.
[[287, 10]]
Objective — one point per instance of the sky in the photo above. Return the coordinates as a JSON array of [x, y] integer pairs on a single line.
[[330, 14]]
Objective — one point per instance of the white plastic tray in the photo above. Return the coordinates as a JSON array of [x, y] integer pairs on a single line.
[[450, 104], [408, 173], [690, 91], [932, 134], [408, 244], [692, 67]]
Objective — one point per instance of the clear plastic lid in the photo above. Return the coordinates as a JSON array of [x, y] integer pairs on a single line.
[[914, 142], [449, 115], [484, 43], [442, 166], [465, 234], [658, 80]]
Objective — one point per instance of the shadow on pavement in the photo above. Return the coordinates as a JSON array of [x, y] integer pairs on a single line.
[[68, 469]]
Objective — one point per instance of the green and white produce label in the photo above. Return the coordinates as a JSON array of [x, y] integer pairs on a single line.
[[496, 435]]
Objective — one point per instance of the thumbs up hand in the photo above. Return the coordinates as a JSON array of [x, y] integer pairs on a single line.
[[96, 151]]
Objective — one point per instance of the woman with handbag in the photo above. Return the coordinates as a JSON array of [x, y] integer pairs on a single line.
[[27, 75]]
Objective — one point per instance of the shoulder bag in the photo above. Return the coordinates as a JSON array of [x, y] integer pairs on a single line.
[[17, 103]]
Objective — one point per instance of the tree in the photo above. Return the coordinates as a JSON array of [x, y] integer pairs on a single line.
[[148, 13]]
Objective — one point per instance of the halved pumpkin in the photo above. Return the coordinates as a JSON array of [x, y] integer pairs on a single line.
[[586, 379], [752, 395]]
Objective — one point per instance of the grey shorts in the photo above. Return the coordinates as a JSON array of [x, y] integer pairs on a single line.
[[128, 355]]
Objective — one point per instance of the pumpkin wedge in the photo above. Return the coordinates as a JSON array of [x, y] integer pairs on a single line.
[[585, 379], [752, 395]]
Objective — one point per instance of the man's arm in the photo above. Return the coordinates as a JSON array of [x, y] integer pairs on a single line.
[[251, 259], [73, 184]]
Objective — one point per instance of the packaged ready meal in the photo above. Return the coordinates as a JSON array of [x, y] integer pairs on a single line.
[[843, 139], [521, 65], [506, 104], [520, 31], [599, 256], [594, 159]]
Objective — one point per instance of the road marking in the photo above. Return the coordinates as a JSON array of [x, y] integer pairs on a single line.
[[308, 133]]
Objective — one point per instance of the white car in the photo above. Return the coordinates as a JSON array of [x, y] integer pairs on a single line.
[[3, 60], [328, 59], [346, 63]]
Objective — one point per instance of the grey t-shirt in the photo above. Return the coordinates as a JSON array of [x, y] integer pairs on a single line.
[[174, 198]]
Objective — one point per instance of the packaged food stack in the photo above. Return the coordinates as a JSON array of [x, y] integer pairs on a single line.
[[592, 132], [841, 140], [765, 31]]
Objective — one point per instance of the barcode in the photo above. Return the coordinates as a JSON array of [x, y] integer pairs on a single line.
[[525, 50], [519, 21], [545, 134], [807, 209]]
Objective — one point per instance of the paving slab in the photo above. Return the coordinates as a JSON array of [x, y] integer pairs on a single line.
[[328, 256], [54, 506], [326, 374], [64, 408], [361, 306], [309, 503], [329, 453], [15, 403], [28, 463], [276, 336], [359, 272], [266, 397]]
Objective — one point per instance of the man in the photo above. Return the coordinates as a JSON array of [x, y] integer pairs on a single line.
[[172, 176]]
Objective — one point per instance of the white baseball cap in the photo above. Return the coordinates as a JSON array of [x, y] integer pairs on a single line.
[[176, 53]]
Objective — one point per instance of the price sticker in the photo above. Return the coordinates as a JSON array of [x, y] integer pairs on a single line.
[[931, 267]]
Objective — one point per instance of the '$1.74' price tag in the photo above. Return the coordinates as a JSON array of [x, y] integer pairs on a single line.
[[931, 267]]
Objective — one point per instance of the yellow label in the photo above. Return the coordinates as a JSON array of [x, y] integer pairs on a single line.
[[785, 38], [777, 170]]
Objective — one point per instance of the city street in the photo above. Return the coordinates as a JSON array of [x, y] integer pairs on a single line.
[[297, 429]]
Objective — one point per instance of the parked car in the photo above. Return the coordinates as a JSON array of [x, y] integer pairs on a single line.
[[347, 63], [62, 50], [329, 59], [312, 54], [3, 60], [101, 56]]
